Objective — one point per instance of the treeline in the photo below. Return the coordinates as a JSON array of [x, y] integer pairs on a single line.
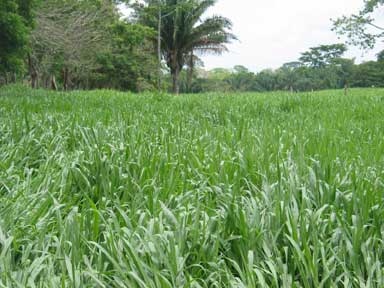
[[74, 45], [309, 73], [88, 44]]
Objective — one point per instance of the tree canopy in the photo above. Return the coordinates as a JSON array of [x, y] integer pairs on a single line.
[[15, 21], [89, 44], [323, 55], [183, 30], [361, 29]]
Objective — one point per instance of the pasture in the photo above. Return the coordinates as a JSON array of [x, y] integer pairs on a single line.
[[110, 189]]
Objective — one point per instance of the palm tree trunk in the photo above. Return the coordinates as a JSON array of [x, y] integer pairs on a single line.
[[190, 73], [175, 79], [175, 71]]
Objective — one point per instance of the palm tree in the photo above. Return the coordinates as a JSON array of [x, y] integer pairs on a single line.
[[184, 32]]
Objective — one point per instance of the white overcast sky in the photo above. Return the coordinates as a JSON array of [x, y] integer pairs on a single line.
[[273, 32]]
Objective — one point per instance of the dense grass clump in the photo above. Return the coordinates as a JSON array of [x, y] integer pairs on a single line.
[[106, 189]]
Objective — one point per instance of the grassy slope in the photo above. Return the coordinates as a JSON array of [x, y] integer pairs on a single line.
[[105, 189]]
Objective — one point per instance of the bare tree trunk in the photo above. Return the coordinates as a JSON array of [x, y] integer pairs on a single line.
[[2, 79], [65, 79], [159, 50], [87, 86], [346, 88], [175, 78], [53, 83], [33, 73], [190, 73], [34, 81]]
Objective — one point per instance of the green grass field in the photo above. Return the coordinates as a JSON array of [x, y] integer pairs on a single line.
[[106, 189]]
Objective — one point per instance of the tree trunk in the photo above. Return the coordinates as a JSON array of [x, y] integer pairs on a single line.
[[33, 73], [346, 89], [53, 83], [175, 78], [190, 73], [65, 79], [159, 51], [175, 68]]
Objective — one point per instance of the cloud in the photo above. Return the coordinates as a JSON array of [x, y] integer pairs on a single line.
[[273, 32]]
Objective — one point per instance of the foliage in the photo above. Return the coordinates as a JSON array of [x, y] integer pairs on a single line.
[[241, 79], [104, 189], [184, 31], [130, 64], [86, 44], [320, 68], [369, 74], [68, 36], [380, 56], [358, 28], [26, 9], [323, 55], [15, 18]]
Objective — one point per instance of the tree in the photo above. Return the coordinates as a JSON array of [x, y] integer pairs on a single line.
[[26, 9], [287, 76], [368, 74], [361, 29], [130, 63], [292, 65], [380, 56], [241, 79], [344, 69], [183, 31], [68, 37], [214, 80], [323, 55], [15, 21], [266, 80]]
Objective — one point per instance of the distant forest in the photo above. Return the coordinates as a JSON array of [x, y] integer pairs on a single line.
[[72, 44]]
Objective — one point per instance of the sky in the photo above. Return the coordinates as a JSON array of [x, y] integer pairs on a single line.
[[273, 32]]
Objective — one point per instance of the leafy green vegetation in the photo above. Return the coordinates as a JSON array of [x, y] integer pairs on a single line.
[[157, 45], [183, 31], [106, 189], [361, 29], [14, 20], [317, 69]]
